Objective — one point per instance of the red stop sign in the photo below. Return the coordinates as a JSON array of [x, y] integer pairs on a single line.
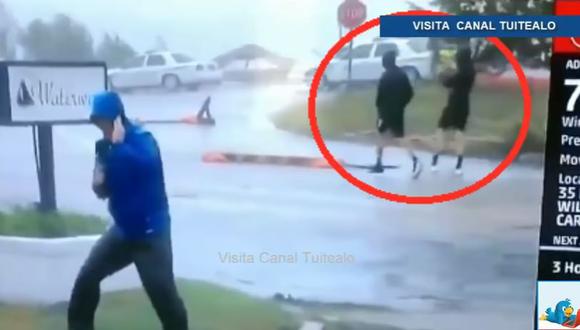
[[352, 13]]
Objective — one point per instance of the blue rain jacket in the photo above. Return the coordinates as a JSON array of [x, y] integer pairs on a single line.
[[134, 178]]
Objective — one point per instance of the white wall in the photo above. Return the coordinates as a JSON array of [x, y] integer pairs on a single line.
[[43, 271]]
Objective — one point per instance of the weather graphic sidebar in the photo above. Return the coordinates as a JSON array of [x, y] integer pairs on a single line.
[[558, 287]]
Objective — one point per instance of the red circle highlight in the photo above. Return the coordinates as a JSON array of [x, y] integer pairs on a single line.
[[440, 198]]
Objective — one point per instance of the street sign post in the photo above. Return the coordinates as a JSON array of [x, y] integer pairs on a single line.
[[351, 13], [41, 95]]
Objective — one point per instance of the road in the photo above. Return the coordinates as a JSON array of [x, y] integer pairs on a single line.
[[471, 260]]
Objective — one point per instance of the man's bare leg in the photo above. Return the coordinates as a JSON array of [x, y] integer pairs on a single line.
[[441, 145], [384, 139], [459, 150], [417, 165], [388, 140]]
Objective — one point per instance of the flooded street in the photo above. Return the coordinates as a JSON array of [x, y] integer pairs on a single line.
[[467, 256]]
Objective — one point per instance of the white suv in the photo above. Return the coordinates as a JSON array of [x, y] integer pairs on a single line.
[[413, 56], [165, 69]]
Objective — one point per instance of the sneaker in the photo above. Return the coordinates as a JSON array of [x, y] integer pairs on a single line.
[[434, 169], [458, 171], [377, 169], [417, 168]]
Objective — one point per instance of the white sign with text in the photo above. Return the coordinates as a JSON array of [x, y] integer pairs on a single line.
[[53, 92]]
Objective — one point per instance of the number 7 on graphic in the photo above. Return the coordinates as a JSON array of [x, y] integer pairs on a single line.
[[574, 97]]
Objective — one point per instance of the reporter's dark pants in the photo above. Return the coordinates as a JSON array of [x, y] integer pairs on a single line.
[[154, 262]]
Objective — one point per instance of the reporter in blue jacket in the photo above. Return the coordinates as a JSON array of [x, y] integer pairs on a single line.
[[129, 173]]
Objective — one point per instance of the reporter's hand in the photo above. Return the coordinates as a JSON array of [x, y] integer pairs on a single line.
[[118, 131]]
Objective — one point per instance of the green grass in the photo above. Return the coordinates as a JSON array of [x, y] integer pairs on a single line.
[[209, 307], [26, 222], [496, 116]]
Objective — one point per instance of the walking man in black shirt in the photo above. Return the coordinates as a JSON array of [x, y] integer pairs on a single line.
[[393, 95], [454, 117]]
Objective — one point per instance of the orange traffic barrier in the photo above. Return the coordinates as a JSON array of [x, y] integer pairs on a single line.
[[320, 163], [225, 157], [192, 120], [298, 161], [214, 157]]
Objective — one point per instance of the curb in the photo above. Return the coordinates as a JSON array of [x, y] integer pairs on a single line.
[[232, 158]]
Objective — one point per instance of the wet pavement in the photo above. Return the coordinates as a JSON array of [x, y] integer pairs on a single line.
[[475, 256]]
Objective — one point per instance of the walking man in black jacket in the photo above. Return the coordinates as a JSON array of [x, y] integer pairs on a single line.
[[393, 95], [454, 117]]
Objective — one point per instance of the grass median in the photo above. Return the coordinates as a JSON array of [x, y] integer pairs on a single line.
[[27, 222], [209, 307], [496, 116]]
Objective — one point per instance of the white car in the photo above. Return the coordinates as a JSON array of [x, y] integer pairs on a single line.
[[164, 69], [413, 57]]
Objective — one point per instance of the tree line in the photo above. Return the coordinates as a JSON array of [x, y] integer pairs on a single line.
[[64, 39]]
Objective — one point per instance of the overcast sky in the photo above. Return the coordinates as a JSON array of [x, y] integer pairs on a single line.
[[206, 28]]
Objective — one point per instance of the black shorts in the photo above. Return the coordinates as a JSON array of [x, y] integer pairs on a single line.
[[394, 126], [453, 120]]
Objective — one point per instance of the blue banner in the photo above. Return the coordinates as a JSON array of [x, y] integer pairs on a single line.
[[480, 26]]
